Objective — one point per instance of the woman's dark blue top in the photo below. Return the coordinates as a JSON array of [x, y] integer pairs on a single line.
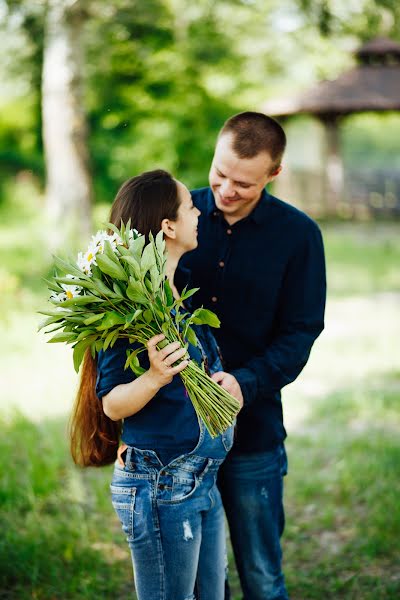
[[168, 423]]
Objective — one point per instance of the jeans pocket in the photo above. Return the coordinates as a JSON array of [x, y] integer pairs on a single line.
[[227, 438], [123, 501]]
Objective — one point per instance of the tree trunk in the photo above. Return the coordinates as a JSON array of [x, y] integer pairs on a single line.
[[334, 187], [68, 186]]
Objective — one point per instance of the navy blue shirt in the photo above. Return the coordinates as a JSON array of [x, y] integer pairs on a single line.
[[168, 423], [264, 276]]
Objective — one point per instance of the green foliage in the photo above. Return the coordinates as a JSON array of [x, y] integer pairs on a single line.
[[59, 533], [162, 76], [342, 497]]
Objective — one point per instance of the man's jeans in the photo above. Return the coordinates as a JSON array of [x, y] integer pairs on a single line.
[[174, 520], [251, 486]]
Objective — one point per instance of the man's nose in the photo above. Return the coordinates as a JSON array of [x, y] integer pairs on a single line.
[[227, 189]]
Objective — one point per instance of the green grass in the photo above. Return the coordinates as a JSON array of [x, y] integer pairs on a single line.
[[60, 537], [343, 514], [362, 258]]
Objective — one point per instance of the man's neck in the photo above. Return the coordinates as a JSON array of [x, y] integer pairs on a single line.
[[231, 219]]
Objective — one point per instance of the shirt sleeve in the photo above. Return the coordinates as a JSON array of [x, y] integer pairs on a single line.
[[110, 367], [300, 320]]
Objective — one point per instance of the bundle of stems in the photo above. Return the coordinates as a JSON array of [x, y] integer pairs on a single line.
[[118, 289]]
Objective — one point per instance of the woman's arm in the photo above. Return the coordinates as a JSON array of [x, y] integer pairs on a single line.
[[128, 398]]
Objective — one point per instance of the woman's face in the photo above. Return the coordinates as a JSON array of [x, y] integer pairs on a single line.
[[186, 223]]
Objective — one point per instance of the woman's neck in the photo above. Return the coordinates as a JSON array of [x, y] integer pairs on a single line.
[[170, 268]]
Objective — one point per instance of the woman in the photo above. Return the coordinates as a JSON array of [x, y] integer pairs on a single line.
[[163, 487]]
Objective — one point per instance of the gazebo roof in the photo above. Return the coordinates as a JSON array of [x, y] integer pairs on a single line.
[[374, 85]]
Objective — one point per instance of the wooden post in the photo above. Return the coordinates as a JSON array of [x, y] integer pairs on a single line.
[[334, 178]]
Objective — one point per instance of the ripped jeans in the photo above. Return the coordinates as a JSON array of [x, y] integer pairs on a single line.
[[173, 518]]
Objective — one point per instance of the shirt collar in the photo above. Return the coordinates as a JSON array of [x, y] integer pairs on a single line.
[[258, 215]]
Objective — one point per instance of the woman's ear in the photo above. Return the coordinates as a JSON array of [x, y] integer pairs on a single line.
[[168, 228]]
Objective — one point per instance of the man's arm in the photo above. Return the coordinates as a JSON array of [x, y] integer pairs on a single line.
[[300, 319]]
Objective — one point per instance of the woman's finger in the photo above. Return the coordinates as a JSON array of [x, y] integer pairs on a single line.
[[152, 342], [174, 356], [168, 349], [182, 365]]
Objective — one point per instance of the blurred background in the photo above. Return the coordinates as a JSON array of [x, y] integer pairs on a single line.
[[93, 92]]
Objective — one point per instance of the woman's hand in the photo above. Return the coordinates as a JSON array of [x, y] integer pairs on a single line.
[[161, 361]]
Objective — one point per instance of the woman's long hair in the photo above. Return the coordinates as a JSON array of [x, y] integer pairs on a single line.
[[146, 200]]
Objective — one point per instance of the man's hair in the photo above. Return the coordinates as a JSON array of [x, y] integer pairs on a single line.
[[254, 132]]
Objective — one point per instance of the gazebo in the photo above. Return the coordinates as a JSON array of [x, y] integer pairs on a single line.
[[373, 85]]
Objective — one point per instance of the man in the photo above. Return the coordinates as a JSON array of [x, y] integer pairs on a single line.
[[260, 266]]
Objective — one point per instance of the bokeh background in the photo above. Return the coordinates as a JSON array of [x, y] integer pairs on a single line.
[[93, 92]]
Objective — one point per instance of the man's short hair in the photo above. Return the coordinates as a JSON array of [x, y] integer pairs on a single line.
[[254, 132]]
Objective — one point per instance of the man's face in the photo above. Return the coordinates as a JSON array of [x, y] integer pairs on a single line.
[[237, 183]]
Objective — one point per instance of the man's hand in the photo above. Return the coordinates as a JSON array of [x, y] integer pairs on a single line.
[[230, 384]]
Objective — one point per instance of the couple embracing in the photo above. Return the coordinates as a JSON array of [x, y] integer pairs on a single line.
[[259, 264]]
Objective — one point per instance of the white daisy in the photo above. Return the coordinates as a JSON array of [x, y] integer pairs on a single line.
[[85, 261]]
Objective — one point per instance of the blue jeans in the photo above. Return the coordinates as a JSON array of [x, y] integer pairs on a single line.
[[173, 518], [251, 486]]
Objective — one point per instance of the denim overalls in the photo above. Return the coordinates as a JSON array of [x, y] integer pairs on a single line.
[[174, 521]]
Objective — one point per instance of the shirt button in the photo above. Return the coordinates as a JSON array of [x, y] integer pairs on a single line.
[[221, 263], [229, 231], [214, 299]]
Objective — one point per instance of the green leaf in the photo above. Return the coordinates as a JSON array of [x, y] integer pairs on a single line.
[[111, 319], [109, 338], [134, 266], [113, 228], [191, 336], [186, 294], [203, 316], [62, 337], [84, 334], [132, 316], [79, 351], [109, 267], [131, 356], [134, 291], [68, 267], [52, 285], [49, 321], [160, 243], [77, 301], [136, 247], [148, 315], [148, 259], [118, 290], [101, 287], [93, 318], [168, 293]]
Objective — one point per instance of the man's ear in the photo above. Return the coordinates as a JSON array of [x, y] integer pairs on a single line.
[[168, 228], [275, 173]]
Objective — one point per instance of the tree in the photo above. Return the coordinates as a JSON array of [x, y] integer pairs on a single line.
[[68, 185]]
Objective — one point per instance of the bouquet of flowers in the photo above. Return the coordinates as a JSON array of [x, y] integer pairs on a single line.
[[118, 289]]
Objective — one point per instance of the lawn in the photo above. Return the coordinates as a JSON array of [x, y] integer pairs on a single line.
[[60, 538]]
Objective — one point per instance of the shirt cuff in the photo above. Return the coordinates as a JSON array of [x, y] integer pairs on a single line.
[[248, 384]]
